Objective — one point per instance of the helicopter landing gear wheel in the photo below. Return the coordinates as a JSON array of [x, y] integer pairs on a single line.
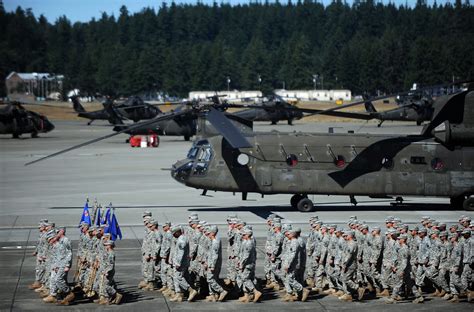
[[290, 122], [468, 204], [274, 122], [34, 135], [295, 199], [187, 137], [305, 205], [457, 202]]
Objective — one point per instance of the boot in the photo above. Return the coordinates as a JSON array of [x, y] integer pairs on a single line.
[[286, 298], [470, 295], [346, 297], [149, 286], [222, 296], [68, 299], [118, 298], [447, 296], [192, 294], [442, 293], [245, 298], [267, 284], [35, 285], [390, 300], [435, 294], [162, 289], [385, 293], [419, 300], [40, 289], [370, 288], [44, 294], [398, 298], [142, 284], [177, 298], [360, 293], [305, 294], [276, 286], [317, 290], [49, 299], [310, 282], [103, 300], [293, 298], [454, 299], [227, 282], [257, 295], [329, 291], [210, 298], [338, 293]]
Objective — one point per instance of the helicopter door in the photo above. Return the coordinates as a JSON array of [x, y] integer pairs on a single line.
[[237, 164]]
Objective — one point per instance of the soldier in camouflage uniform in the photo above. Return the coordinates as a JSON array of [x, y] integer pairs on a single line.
[[319, 259], [194, 237], [311, 243], [422, 260], [468, 262], [267, 267], [181, 266], [375, 259], [146, 263], [330, 268], [349, 267], [47, 260], [246, 264], [61, 264], [108, 293], [386, 276], [231, 275], [166, 276], [39, 253], [275, 252], [290, 265], [213, 266], [455, 265]]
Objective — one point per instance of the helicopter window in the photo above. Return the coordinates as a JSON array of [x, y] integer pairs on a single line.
[[193, 152], [387, 163], [200, 168], [417, 160], [437, 164], [205, 154], [292, 160]]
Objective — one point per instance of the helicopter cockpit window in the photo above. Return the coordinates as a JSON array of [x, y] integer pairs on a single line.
[[387, 163], [203, 158]]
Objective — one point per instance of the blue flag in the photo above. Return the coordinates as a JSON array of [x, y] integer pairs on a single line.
[[106, 219], [85, 214], [97, 222], [114, 228]]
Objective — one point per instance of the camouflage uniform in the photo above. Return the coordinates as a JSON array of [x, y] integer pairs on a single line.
[[166, 276], [422, 259], [40, 252], [214, 263], [291, 265], [181, 264], [349, 266], [455, 265], [61, 259], [148, 271], [320, 256], [246, 264]]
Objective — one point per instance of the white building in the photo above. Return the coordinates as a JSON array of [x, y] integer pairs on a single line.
[[315, 95], [230, 96]]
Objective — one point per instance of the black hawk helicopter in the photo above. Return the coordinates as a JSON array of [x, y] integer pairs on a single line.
[[439, 162], [272, 110], [17, 120]]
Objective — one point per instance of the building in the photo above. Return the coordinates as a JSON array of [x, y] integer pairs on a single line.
[[41, 85], [230, 96], [315, 95]]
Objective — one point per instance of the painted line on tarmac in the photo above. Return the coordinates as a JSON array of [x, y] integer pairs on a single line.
[[17, 247]]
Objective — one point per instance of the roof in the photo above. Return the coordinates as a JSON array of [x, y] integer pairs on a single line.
[[35, 76]]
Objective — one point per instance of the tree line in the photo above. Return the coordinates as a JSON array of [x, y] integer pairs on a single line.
[[364, 47]]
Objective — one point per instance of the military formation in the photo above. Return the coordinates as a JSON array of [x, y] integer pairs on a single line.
[[184, 261], [94, 276], [354, 263]]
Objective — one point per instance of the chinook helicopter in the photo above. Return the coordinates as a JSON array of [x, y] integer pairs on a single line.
[[439, 162], [17, 120]]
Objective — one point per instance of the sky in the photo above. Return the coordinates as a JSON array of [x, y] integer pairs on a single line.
[[85, 10]]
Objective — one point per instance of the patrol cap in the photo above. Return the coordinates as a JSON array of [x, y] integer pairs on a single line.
[[467, 218], [277, 222], [455, 226], [202, 223], [154, 222], [270, 216], [193, 221], [213, 229], [193, 215], [43, 221], [240, 222], [442, 224], [435, 223], [452, 235], [349, 233], [91, 229], [396, 219], [434, 232], [62, 228], [443, 233], [461, 217], [231, 216], [247, 231], [318, 222], [471, 224], [167, 223], [109, 243], [84, 223], [324, 226], [146, 213], [404, 226], [415, 228], [332, 226], [364, 227], [423, 230], [286, 227], [403, 236], [297, 230], [106, 235], [376, 228], [146, 219], [466, 231], [425, 218], [389, 219], [50, 234], [176, 229]]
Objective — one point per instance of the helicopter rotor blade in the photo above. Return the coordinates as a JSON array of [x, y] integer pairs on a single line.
[[137, 125], [227, 129]]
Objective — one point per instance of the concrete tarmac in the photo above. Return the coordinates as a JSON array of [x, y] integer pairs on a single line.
[[133, 180]]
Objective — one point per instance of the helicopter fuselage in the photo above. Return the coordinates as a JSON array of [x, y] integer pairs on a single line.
[[332, 164]]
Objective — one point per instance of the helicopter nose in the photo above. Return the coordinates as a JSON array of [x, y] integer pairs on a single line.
[[181, 171], [48, 126]]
